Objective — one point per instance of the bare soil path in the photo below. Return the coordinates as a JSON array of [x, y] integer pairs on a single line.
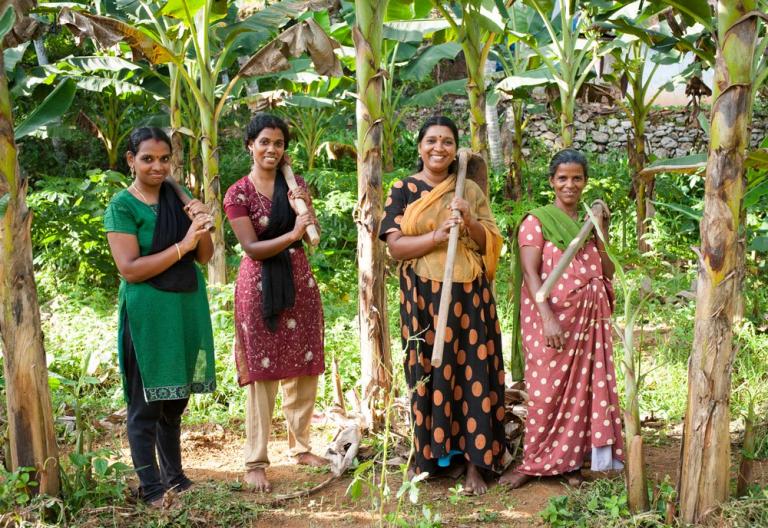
[[213, 455]]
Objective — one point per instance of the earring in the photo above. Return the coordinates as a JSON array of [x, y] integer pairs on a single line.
[[133, 171]]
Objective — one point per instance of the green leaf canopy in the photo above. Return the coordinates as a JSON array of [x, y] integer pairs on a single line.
[[53, 107]]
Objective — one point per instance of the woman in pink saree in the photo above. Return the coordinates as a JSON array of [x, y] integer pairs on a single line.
[[573, 407]]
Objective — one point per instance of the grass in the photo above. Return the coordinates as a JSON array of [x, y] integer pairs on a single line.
[[602, 504]]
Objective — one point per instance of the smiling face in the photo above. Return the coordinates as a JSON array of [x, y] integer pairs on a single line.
[[152, 162], [437, 149], [267, 149], [568, 182]]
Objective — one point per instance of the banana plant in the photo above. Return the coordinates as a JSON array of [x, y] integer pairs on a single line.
[[637, 485], [569, 49], [309, 105], [741, 65], [523, 71], [31, 434], [475, 25], [117, 86], [215, 38], [634, 69]]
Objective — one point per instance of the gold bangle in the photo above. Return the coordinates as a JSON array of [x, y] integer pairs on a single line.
[[178, 251]]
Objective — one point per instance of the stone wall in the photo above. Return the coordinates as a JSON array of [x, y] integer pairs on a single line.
[[669, 132]]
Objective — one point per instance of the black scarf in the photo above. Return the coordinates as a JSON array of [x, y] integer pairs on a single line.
[[277, 288], [171, 227]]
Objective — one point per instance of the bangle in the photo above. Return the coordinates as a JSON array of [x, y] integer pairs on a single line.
[[178, 251]]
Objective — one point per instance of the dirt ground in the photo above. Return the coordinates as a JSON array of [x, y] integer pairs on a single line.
[[212, 454]]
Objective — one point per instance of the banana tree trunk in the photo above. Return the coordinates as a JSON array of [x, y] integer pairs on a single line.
[[513, 188], [566, 121], [177, 139], [643, 186], [217, 269], [31, 435], [744, 479], [376, 363], [637, 487], [706, 452], [478, 126], [494, 131]]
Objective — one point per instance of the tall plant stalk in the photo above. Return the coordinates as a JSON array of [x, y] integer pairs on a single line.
[[492, 120], [376, 361], [568, 58], [476, 44], [705, 461], [637, 105], [31, 435], [634, 469]]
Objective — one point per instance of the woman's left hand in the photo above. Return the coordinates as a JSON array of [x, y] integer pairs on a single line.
[[300, 193], [605, 218], [463, 207], [196, 207]]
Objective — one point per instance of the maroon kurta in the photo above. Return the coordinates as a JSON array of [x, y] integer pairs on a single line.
[[573, 406], [296, 347]]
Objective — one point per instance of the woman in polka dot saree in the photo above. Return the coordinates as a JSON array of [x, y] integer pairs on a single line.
[[573, 410], [458, 407]]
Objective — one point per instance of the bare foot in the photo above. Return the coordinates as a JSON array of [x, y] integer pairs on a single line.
[[309, 459], [513, 479], [256, 479], [574, 478], [473, 482]]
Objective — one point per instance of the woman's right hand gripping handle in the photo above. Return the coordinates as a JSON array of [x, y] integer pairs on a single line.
[[195, 231]]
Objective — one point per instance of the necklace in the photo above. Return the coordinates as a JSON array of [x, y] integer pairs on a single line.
[[430, 181], [259, 194], [144, 198]]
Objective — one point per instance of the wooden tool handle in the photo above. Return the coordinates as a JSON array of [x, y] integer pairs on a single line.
[[184, 197], [453, 243], [573, 247], [290, 179]]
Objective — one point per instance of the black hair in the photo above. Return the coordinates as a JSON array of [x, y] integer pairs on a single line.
[[566, 156], [439, 120], [142, 134], [261, 121]]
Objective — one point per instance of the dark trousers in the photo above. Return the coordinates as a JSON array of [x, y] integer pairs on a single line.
[[152, 426]]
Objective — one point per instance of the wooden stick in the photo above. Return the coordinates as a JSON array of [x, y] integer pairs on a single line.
[[569, 253], [450, 259], [184, 197], [290, 179]]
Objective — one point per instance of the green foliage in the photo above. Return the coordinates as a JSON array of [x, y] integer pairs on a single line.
[[603, 504], [52, 108], [68, 233], [91, 480], [16, 487]]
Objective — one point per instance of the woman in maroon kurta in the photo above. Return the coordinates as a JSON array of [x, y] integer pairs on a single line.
[[573, 407], [278, 313], [296, 347]]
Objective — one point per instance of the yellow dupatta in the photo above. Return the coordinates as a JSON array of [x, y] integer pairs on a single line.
[[430, 211]]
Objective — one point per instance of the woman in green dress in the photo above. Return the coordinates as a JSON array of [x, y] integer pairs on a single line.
[[165, 342]]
